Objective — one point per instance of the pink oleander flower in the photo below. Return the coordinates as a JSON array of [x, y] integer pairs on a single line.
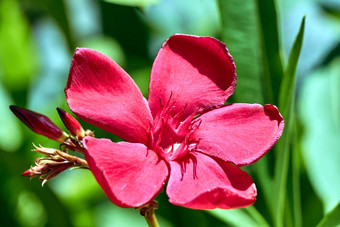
[[183, 134]]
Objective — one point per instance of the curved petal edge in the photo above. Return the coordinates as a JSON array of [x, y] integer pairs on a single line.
[[103, 94], [130, 174], [200, 182], [198, 68], [239, 133]]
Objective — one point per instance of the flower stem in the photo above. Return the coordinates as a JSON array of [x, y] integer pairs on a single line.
[[150, 218], [148, 211]]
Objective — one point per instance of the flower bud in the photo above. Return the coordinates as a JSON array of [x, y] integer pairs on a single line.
[[52, 165], [44, 150], [27, 173], [71, 124], [46, 169], [39, 123]]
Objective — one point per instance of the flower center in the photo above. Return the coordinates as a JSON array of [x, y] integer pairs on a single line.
[[170, 134]]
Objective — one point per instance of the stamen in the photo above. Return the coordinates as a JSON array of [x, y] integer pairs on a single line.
[[183, 169], [194, 167], [170, 135], [184, 162]]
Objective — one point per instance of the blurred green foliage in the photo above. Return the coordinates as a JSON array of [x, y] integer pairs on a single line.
[[298, 181]]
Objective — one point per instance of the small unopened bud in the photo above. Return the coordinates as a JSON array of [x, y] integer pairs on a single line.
[[46, 170], [71, 124], [39, 123], [27, 173], [89, 133], [53, 164]]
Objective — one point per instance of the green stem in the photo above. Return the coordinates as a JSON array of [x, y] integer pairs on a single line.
[[150, 218], [148, 211], [296, 181], [256, 215]]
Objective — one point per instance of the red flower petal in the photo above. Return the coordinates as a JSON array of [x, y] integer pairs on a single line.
[[200, 182], [129, 173], [196, 72], [239, 133], [103, 94]]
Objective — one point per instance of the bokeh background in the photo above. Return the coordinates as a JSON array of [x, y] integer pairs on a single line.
[[298, 181]]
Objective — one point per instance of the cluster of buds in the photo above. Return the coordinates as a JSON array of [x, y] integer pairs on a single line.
[[55, 161]]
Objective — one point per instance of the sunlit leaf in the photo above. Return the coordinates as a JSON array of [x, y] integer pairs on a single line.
[[17, 59], [287, 90], [30, 211], [250, 31], [240, 31], [85, 189], [271, 55], [9, 125], [109, 214], [82, 189], [332, 218], [318, 23], [133, 2], [319, 111], [237, 217], [286, 104]]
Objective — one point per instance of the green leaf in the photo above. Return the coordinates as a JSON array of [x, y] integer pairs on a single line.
[[332, 219], [240, 31], [17, 59], [138, 3], [250, 31], [319, 111], [287, 90], [240, 217], [332, 8], [286, 105], [12, 185], [110, 215], [30, 209], [271, 54], [237, 217], [9, 129], [286, 143]]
